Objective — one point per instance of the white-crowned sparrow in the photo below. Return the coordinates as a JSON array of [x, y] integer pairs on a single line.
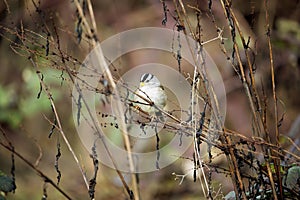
[[150, 89]]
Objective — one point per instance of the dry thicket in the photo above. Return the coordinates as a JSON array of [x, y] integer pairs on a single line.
[[253, 155]]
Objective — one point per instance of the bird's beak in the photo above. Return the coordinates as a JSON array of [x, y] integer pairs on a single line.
[[142, 84]]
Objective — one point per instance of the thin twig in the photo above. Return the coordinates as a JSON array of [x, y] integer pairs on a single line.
[[32, 166], [276, 162], [103, 64], [46, 90]]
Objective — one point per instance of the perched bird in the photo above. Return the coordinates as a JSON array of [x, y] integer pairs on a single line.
[[150, 90]]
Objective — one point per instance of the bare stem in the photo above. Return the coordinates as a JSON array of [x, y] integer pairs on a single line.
[[32, 166]]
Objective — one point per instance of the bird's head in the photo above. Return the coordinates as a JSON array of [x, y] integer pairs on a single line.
[[149, 80]]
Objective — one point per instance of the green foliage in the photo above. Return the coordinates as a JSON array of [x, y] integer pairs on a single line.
[[30, 104], [6, 185], [287, 27], [292, 179], [9, 111], [16, 106]]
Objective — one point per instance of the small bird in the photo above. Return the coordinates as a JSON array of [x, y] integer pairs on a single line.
[[150, 89]]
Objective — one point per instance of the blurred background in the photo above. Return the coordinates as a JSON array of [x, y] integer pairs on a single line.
[[25, 118]]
